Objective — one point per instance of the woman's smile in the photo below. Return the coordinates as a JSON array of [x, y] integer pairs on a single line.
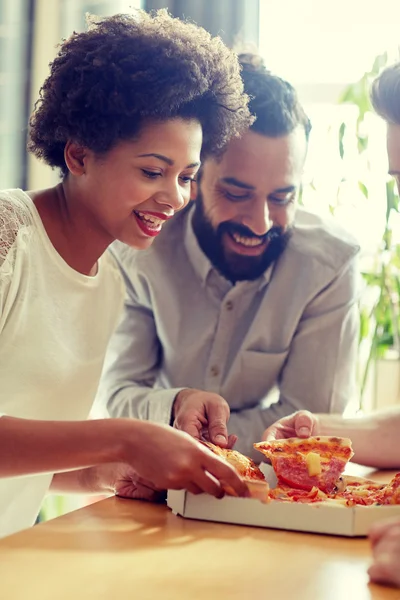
[[151, 222]]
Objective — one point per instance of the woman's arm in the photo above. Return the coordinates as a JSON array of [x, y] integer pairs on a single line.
[[167, 458], [30, 446]]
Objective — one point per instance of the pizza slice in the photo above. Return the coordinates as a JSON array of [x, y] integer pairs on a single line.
[[391, 493], [246, 468], [307, 463], [359, 491]]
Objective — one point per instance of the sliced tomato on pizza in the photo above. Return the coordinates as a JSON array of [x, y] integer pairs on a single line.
[[307, 463]]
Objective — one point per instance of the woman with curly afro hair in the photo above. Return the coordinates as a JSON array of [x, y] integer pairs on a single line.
[[125, 115]]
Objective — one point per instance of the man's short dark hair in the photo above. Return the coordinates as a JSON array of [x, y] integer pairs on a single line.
[[126, 70], [273, 101], [385, 94]]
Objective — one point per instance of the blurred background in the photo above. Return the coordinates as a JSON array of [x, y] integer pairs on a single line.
[[330, 51]]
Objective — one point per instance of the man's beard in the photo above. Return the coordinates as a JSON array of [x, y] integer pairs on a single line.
[[234, 266]]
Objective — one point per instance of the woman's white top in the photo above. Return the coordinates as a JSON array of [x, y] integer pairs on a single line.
[[55, 324]]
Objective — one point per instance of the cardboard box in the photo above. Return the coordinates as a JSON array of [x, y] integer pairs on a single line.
[[320, 517]]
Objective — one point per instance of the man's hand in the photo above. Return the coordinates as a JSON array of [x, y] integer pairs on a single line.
[[203, 415], [300, 424], [122, 480], [385, 540]]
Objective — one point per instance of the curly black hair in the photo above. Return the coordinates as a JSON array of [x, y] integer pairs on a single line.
[[125, 70], [273, 101]]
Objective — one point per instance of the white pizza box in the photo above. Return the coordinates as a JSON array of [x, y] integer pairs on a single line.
[[333, 519]]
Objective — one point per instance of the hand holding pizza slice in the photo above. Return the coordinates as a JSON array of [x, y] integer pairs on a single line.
[[315, 462], [246, 468]]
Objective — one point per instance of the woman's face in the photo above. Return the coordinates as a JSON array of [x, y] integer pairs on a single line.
[[131, 191]]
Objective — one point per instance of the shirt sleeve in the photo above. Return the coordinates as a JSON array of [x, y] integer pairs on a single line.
[[127, 387], [320, 371], [10, 221]]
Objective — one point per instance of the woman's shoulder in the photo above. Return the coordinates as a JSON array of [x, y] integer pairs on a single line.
[[15, 214], [15, 209]]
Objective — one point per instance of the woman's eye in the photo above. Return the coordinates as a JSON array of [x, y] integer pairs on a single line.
[[151, 174], [186, 178]]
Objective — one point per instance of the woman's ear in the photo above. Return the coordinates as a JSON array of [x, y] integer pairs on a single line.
[[74, 156]]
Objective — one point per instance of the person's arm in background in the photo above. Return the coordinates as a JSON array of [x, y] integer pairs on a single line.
[[375, 437], [118, 479], [319, 374]]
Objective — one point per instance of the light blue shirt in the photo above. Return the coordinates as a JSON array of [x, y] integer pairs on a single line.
[[294, 328]]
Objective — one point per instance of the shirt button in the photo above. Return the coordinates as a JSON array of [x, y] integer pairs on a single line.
[[229, 305], [214, 371]]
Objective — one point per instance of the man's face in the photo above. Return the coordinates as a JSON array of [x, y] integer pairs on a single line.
[[393, 148], [246, 200]]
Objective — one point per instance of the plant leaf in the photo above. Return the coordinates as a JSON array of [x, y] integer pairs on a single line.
[[363, 188]]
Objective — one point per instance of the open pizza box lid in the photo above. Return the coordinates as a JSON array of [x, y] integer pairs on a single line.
[[333, 519]]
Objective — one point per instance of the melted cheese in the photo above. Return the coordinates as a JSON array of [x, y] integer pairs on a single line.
[[313, 461]]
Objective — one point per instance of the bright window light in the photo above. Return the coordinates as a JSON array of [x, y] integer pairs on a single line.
[[321, 47], [319, 41]]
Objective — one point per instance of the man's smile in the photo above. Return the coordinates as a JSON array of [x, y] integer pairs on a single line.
[[245, 245]]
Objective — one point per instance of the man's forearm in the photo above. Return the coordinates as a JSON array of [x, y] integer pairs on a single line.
[[141, 402], [375, 437], [82, 481], [30, 446]]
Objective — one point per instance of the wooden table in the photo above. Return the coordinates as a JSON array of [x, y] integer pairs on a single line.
[[117, 549]]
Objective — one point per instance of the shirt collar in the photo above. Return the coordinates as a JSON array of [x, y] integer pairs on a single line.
[[201, 264]]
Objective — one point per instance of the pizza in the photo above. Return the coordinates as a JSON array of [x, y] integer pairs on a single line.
[[247, 469], [304, 464], [350, 491], [309, 471], [365, 492]]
